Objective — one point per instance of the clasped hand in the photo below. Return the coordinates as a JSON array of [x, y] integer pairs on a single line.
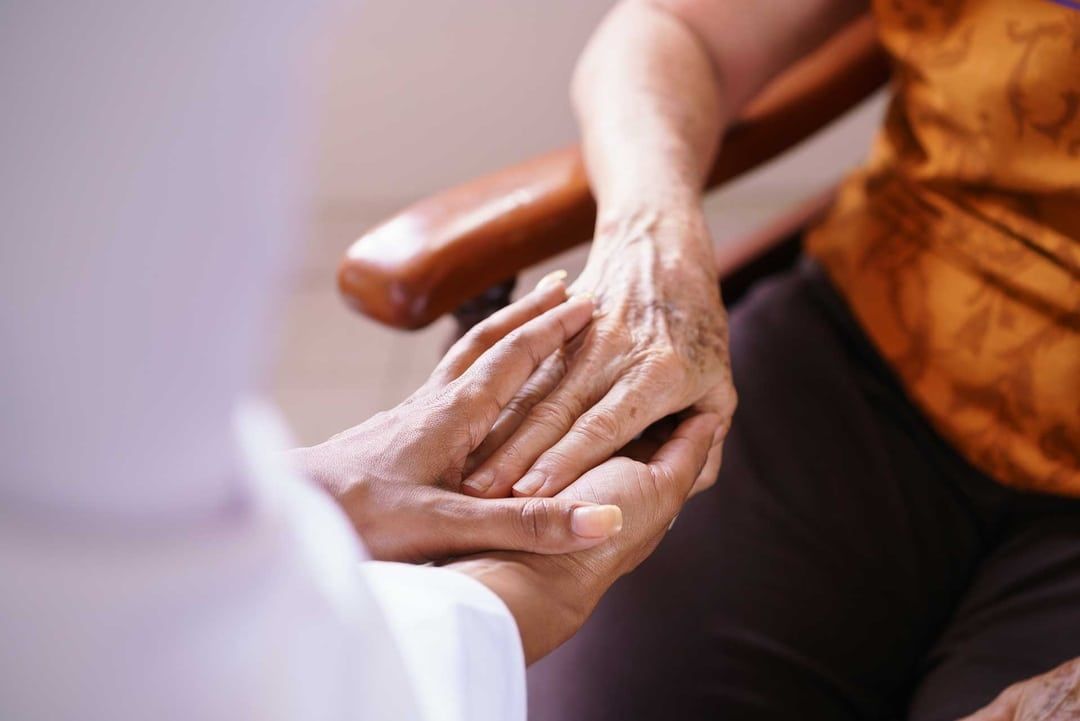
[[657, 347], [398, 475]]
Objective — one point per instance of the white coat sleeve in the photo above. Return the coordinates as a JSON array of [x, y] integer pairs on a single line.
[[266, 610], [155, 563], [457, 640]]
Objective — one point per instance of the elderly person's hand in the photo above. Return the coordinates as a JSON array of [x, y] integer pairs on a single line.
[[652, 109], [551, 596], [398, 474], [1053, 695], [658, 346]]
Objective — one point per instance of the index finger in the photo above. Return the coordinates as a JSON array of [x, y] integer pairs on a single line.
[[548, 293], [500, 372]]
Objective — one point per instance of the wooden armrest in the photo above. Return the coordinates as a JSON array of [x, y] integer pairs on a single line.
[[438, 253]]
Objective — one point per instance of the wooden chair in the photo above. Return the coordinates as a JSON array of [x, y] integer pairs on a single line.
[[460, 250]]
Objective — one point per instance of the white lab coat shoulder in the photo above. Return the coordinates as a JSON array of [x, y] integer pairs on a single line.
[[268, 611]]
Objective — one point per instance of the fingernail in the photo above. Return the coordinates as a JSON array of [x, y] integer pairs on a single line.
[[596, 521], [480, 482], [551, 279], [529, 484]]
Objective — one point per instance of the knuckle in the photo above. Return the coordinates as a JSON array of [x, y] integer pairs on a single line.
[[611, 335], [440, 405], [510, 455], [663, 479], [517, 408], [465, 396], [513, 457], [723, 401], [559, 363], [599, 425], [661, 364], [560, 329], [552, 414], [723, 398], [534, 518], [519, 343], [666, 501], [606, 344], [1012, 692], [552, 463], [475, 400], [482, 335]]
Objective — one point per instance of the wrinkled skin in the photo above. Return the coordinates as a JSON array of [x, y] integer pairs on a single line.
[[1053, 696], [397, 475], [552, 595], [658, 346]]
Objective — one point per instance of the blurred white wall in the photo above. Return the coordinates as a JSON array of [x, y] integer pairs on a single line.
[[421, 94], [424, 93]]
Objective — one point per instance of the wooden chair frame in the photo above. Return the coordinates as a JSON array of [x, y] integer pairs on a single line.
[[462, 248]]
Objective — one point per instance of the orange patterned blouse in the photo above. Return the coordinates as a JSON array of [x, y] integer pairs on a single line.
[[958, 245]]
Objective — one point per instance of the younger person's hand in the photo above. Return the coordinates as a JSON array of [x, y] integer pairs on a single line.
[[551, 596], [398, 474]]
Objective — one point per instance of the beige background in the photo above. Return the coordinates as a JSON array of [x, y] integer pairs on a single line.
[[420, 94]]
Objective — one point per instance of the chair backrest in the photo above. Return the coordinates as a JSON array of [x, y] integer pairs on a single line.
[[438, 253]]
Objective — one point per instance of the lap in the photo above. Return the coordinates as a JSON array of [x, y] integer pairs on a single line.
[[813, 579], [1019, 618]]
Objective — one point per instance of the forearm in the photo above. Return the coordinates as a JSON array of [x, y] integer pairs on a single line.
[[654, 90], [651, 113]]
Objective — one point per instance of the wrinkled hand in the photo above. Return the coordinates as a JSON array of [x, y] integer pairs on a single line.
[[398, 474], [658, 346], [551, 596], [1053, 696]]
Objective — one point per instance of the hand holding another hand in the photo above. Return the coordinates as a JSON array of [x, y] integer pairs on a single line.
[[398, 474], [657, 347], [551, 596]]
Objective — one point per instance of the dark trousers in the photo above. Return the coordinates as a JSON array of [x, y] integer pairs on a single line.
[[847, 565]]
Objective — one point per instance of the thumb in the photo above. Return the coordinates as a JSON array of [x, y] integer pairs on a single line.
[[711, 470], [537, 525], [682, 459]]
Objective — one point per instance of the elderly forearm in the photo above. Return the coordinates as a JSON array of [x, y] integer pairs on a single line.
[[650, 110], [661, 79], [653, 92]]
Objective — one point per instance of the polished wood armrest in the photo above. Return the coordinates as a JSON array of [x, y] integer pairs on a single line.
[[436, 254]]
